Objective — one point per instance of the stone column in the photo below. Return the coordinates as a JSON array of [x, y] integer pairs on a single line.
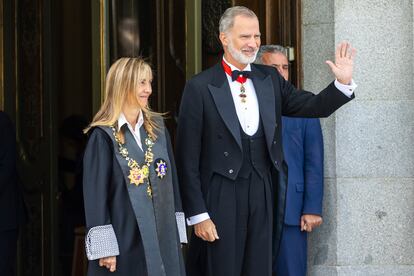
[[369, 143]]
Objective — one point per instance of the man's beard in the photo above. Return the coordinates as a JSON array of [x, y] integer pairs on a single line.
[[239, 56]]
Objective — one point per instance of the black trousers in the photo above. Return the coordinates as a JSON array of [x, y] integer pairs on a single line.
[[8, 252], [242, 212]]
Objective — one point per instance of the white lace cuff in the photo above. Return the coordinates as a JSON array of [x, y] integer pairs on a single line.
[[101, 242], [182, 231]]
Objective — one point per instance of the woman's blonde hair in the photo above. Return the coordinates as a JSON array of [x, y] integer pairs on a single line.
[[122, 81]]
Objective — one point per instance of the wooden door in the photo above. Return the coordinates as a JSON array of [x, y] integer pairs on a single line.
[[28, 101], [47, 70]]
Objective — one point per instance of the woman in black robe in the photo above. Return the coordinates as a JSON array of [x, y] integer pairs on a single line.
[[132, 203]]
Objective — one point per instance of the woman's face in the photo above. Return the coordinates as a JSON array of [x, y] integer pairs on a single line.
[[144, 91]]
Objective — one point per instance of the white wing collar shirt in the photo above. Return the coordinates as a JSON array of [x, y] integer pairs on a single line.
[[248, 111]]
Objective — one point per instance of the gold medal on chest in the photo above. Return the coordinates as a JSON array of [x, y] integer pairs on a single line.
[[136, 176]]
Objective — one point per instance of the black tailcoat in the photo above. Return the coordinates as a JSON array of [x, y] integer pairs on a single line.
[[208, 134]]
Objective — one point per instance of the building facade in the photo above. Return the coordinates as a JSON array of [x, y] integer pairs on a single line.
[[54, 56], [369, 154]]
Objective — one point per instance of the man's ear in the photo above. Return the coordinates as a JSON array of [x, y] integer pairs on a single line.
[[224, 39]]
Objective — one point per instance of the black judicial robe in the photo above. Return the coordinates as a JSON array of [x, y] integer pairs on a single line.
[[145, 229]]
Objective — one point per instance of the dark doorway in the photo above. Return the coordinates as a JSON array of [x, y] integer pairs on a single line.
[[71, 21], [48, 92]]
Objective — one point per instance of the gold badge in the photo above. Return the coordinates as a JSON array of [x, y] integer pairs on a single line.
[[161, 168], [136, 176]]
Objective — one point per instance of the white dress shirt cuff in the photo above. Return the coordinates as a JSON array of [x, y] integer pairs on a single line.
[[197, 219], [348, 90]]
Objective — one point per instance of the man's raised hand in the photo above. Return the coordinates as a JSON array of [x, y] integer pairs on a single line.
[[344, 63]]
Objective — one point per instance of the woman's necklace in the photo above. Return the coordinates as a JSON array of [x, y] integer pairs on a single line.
[[137, 174]]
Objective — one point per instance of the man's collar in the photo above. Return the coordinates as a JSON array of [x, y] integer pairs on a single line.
[[232, 67], [122, 121]]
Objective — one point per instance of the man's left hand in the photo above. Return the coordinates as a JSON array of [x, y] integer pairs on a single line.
[[344, 63], [310, 222]]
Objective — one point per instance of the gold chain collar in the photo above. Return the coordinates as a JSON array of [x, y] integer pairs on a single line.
[[137, 174]]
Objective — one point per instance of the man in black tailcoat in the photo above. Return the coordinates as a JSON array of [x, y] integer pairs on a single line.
[[229, 152]]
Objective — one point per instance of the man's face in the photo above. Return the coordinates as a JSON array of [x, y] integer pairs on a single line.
[[242, 41], [279, 61]]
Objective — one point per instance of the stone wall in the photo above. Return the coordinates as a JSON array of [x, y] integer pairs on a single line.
[[369, 143]]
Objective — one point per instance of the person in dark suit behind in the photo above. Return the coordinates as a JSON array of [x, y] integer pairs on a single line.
[[229, 152], [303, 151], [12, 212]]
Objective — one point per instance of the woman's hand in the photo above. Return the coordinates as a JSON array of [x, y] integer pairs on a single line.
[[108, 262]]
